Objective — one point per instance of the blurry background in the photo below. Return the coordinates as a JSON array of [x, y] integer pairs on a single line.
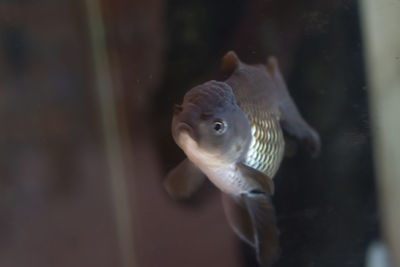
[[85, 131]]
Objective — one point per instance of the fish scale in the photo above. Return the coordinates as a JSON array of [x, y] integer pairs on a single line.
[[267, 145]]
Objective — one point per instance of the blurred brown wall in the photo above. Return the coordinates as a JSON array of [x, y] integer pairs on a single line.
[[54, 198], [55, 202]]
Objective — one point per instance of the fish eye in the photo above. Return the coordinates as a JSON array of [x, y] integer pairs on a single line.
[[219, 127]]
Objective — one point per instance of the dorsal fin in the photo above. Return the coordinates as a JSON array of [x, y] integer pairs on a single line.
[[272, 66], [230, 62]]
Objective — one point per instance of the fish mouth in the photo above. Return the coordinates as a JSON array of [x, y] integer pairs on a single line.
[[184, 124], [184, 127], [184, 135], [181, 129]]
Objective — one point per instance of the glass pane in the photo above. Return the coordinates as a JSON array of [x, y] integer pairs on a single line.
[[87, 96]]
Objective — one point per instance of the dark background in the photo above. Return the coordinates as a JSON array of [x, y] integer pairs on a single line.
[[55, 202]]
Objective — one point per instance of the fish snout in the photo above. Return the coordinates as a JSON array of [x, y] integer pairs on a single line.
[[183, 127], [181, 131]]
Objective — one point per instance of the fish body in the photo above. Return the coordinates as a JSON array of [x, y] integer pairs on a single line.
[[266, 148], [233, 133]]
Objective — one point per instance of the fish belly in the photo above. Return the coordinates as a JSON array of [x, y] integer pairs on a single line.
[[227, 179]]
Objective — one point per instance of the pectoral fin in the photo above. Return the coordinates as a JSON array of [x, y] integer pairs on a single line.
[[184, 180], [259, 180], [265, 231]]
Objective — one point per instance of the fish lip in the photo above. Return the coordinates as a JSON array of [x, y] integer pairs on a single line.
[[184, 127]]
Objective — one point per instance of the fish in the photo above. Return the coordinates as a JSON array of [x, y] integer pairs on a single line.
[[236, 133]]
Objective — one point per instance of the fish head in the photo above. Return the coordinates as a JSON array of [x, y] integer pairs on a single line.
[[209, 126]]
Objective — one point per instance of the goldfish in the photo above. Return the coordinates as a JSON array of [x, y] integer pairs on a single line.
[[233, 133]]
